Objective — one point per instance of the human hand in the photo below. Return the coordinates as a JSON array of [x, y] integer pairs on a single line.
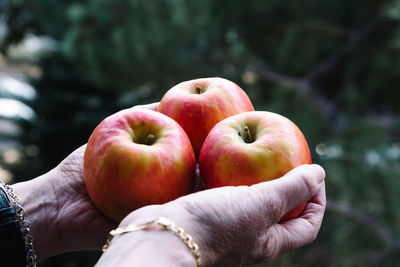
[[233, 226], [62, 217]]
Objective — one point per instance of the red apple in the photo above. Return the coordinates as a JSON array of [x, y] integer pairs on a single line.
[[137, 157], [252, 147], [198, 105]]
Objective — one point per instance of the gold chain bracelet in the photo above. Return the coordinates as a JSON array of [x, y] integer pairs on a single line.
[[25, 230], [164, 223]]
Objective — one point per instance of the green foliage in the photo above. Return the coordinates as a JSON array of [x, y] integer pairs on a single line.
[[120, 46]]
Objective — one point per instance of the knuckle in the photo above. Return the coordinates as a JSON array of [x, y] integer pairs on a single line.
[[271, 204], [313, 237], [308, 182], [313, 232], [271, 248]]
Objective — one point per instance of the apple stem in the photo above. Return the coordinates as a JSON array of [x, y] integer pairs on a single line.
[[248, 134], [150, 139], [198, 88]]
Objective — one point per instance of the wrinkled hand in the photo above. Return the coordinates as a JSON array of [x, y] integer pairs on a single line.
[[86, 227], [62, 217], [240, 225], [76, 211]]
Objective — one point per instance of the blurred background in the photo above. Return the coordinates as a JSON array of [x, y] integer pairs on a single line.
[[331, 66]]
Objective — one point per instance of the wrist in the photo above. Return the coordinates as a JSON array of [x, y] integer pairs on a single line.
[[190, 223], [40, 205], [153, 245]]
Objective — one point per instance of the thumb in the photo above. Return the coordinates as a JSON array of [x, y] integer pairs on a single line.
[[152, 106], [294, 188]]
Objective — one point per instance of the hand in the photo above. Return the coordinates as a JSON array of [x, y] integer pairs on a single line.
[[60, 212], [58, 207], [232, 225]]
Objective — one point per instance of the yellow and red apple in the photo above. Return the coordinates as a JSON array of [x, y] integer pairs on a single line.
[[253, 147], [198, 105], [137, 157]]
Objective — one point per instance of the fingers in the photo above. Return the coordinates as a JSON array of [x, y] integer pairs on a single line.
[[152, 106], [298, 232], [198, 184], [291, 190]]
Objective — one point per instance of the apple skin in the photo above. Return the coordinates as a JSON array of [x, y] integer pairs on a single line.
[[123, 173], [277, 145], [198, 112]]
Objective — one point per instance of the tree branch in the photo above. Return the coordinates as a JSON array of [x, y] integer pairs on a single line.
[[323, 26], [330, 62], [381, 230], [264, 73], [386, 235], [306, 86], [302, 86]]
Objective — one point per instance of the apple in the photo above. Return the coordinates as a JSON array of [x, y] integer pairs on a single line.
[[198, 105], [137, 157], [252, 147]]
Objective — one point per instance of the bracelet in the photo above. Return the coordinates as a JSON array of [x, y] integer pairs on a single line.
[[164, 223], [23, 224]]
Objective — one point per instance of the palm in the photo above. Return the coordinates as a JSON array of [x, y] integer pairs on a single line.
[[79, 214]]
